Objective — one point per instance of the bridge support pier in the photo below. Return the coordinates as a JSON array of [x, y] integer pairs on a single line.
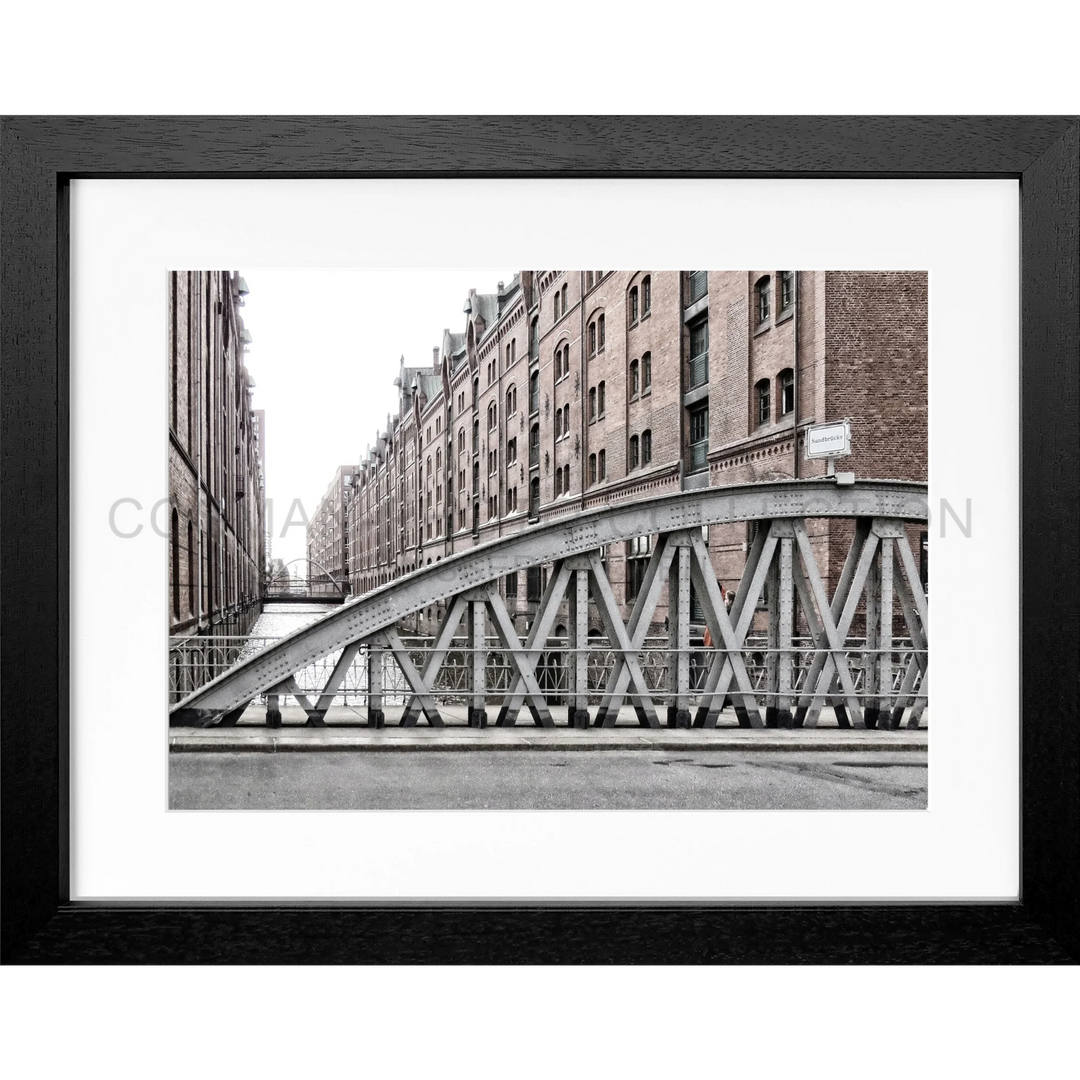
[[273, 713], [577, 665], [376, 717]]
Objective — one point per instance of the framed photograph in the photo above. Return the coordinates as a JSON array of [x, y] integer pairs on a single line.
[[56, 753]]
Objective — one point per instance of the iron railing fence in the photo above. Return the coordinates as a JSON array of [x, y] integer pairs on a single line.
[[195, 661]]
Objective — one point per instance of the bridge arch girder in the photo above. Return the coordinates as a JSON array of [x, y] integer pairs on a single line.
[[380, 610]]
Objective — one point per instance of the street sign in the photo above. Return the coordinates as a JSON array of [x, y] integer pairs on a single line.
[[829, 440]]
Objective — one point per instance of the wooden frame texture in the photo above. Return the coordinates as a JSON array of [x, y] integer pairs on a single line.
[[41, 154]]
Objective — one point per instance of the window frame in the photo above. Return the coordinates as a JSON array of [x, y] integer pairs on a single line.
[[785, 382], [763, 301], [763, 410]]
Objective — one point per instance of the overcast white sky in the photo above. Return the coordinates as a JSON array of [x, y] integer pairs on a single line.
[[324, 356]]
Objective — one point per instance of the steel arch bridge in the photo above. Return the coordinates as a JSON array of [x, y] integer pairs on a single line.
[[795, 683], [279, 588]]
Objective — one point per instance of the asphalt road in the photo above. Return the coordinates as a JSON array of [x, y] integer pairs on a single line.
[[549, 780]]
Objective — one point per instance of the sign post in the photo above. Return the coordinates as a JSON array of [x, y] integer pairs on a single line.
[[831, 441]]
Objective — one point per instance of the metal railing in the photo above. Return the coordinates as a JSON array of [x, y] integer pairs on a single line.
[[193, 662]]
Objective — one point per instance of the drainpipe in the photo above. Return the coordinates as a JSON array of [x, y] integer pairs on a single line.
[[199, 458], [795, 365]]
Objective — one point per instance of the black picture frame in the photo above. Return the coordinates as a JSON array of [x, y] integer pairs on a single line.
[[40, 155]]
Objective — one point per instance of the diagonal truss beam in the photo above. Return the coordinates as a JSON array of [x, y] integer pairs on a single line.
[[526, 674], [390, 639], [608, 610], [439, 650], [648, 597], [730, 662], [538, 634], [808, 707]]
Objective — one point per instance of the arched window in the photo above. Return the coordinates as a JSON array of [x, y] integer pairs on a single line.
[[461, 440], [592, 403], [635, 385], [190, 571], [534, 392], [601, 465], [646, 296], [556, 306], [534, 337], [600, 334], [600, 399], [634, 453], [592, 339], [646, 373], [785, 385], [493, 416], [592, 468], [558, 424], [534, 445], [762, 291], [566, 419], [475, 391], [588, 279], [511, 401], [558, 482], [565, 297], [174, 542], [632, 307], [438, 461], [761, 391], [646, 447]]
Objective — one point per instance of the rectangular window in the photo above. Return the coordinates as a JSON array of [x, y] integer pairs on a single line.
[[699, 438], [787, 289], [699, 354], [511, 585], [787, 392], [532, 583], [763, 301], [699, 285]]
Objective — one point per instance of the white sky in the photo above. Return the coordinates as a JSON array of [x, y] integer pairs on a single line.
[[324, 355]]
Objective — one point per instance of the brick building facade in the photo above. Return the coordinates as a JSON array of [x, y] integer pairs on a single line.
[[217, 528], [568, 390], [327, 535]]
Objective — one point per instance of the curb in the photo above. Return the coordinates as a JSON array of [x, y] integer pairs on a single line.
[[267, 744]]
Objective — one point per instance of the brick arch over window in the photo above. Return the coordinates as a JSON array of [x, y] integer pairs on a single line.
[[762, 300], [595, 332]]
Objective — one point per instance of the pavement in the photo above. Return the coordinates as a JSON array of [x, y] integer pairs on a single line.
[[346, 730]]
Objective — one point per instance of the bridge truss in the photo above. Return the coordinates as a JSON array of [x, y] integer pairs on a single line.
[[805, 659]]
